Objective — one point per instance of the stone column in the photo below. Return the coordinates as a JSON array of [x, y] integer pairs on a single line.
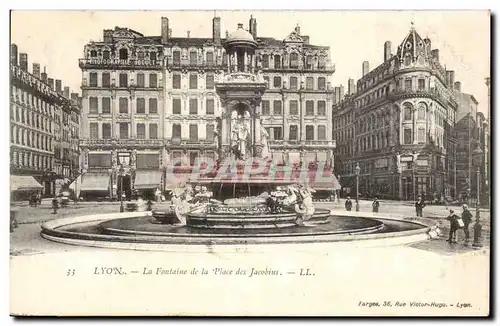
[[132, 131], [245, 62], [415, 141], [114, 131]]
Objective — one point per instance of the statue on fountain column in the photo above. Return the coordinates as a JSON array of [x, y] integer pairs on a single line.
[[264, 136], [239, 137]]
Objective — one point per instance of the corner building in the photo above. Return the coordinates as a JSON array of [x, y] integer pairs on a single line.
[[149, 100], [397, 124]]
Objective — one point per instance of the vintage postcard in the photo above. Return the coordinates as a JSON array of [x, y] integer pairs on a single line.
[[250, 163]]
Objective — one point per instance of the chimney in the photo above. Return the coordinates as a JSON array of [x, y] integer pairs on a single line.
[[13, 54], [107, 36], [58, 86], [252, 24], [366, 67], [80, 101], [447, 78], [50, 81], [164, 30], [216, 30], [458, 86], [66, 92], [350, 86], [435, 54], [428, 43], [337, 94], [169, 33], [305, 38], [452, 78], [23, 61], [43, 76], [36, 70], [188, 34], [387, 50], [74, 97], [342, 92]]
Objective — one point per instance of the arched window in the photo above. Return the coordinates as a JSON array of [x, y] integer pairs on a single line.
[[93, 54], [152, 56], [105, 55], [294, 60], [265, 61], [408, 59], [277, 61], [123, 54], [422, 108], [407, 112]]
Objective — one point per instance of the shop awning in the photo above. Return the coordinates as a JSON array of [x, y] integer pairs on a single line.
[[147, 179], [23, 183], [329, 183], [95, 182]]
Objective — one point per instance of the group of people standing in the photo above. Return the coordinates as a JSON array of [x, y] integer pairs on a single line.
[[459, 222]]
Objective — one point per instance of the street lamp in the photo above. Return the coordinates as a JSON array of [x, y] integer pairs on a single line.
[[122, 170], [477, 156], [357, 169]]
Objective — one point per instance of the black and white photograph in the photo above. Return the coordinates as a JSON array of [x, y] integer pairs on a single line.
[[250, 163]]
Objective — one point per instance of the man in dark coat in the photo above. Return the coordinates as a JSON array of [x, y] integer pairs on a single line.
[[375, 205], [348, 204], [454, 226], [419, 206], [466, 218]]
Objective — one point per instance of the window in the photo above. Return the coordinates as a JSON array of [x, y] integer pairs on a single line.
[[277, 82], [153, 106], [153, 81], [294, 60], [310, 108], [266, 108], [106, 105], [407, 136], [309, 83], [153, 131], [277, 108], [309, 132], [266, 81], [105, 55], [93, 105], [193, 132], [176, 131], [176, 106], [408, 84], [123, 105], [152, 56], [322, 108], [210, 132], [93, 79], [176, 81], [322, 62], [176, 57], [93, 54], [192, 157], [123, 54], [193, 58], [408, 114], [106, 131], [265, 61], [309, 61], [293, 134], [322, 83], [94, 132], [193, 81], [210, 84], [123, 80], [293, 83], [294, 107], [106, 79], [210, 58], [141, 131], [407, 60], [193, 106], [421, 84], [209, 107], [141, 105], [277, 62], [421, 112], [277, 133], [421, 135], [123, 130], [140, 55], [140, 80]]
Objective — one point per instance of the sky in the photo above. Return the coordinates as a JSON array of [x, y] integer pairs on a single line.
[[56, 39]]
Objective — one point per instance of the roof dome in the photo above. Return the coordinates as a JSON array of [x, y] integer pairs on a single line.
[[240, 35], [413, 45]]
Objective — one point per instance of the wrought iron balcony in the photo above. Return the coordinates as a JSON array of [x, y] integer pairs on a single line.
[[120, 63], [330, 68], [433, 93], [121, 143], [298, 143]]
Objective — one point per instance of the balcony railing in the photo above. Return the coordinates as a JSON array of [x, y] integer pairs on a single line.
[[109, 63], [121, 142], [318, 143], [432, 93], [195, 64], [302, 67]]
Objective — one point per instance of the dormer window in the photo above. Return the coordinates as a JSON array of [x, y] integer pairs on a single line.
[[294, 60], [105, 55], [152, 56], [93, 54], [123, 54]]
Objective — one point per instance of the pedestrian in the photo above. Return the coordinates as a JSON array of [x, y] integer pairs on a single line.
[[454, 226], [419, 205], [466, 218], [348, 204], [55, 205], [375, 205], [149, 205]]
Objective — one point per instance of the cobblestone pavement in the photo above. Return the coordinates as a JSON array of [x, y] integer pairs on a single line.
[[26, 238]]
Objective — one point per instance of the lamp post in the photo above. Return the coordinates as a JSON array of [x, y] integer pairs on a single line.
[[357, 169], [121, 188], [477, 156]]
